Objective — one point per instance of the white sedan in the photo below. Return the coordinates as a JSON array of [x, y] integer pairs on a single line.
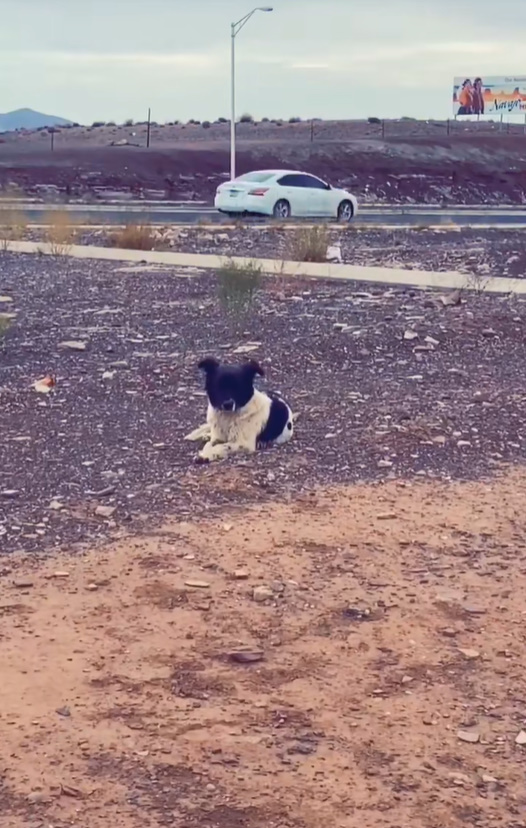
[[285, 194]]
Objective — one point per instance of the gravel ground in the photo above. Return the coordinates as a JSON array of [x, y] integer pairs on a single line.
[[486, 253], [386, 383], [475, 252]]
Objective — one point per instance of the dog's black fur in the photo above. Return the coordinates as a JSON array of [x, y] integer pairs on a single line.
[[229, 387]]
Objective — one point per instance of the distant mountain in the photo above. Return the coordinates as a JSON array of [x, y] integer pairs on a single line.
[[29, 119]]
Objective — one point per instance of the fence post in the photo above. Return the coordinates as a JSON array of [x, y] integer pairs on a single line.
[[148, 128], [383, 128], [52, 132], [312, 130], [448, 126]]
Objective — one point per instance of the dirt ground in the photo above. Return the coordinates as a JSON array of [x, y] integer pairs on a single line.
[[399, 162], [353, 657]]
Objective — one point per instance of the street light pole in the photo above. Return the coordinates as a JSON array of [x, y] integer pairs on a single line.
[[235, 28]]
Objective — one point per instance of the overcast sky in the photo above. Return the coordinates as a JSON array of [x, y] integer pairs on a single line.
[[111, 59]]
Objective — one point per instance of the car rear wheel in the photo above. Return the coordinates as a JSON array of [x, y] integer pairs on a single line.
[[345, 211], [281, 209]]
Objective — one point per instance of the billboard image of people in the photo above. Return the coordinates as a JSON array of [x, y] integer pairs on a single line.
[[491, 95]]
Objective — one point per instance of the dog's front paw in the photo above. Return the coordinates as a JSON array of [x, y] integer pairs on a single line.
[[200, 460]]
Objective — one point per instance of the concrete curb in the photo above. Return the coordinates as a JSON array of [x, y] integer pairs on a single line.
[[380, 275]]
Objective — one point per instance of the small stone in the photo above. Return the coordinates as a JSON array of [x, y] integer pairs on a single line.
[[247, 656], [261, 594], [520, 739], [409, 335], [196, 584], [241, 574], [471, 655], [56, 506], [384, 464], [210, 788], [470, 736], [63, 711], [37, 798], [6, 300], [488, 780], [386, 516], [73, 345], [105, 511], [407, 679], [120, 363], [489, 333], [92, 587], [61, 574], [459, 778], [9, 494], [23, 583], [451, 299]]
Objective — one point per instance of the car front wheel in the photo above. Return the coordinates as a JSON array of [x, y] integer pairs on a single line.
[[345, 211], [281, 209]]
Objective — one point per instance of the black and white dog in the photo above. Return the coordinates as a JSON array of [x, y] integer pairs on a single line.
[[239, 417]]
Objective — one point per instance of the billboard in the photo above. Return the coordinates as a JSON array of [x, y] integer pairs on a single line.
[[490, 95]]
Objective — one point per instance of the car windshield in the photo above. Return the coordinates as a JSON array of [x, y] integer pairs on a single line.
[[256, 177]]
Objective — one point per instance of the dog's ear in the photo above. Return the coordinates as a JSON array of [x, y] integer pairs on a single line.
[[208, 365], [251, 368]]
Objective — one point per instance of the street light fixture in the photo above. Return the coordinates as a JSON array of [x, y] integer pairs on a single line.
[[235, 29]]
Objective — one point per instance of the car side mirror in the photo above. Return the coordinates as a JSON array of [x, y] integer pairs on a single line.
[[328, 187]]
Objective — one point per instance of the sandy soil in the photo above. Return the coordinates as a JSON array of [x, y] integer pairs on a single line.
[[385, 683]]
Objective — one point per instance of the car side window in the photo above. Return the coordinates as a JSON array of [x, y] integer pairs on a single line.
[[313, 183], [291, 181]]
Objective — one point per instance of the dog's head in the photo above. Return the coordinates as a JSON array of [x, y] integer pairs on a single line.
[[229, 387]]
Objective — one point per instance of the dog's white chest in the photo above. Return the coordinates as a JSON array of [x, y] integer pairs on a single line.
[[243, 425]]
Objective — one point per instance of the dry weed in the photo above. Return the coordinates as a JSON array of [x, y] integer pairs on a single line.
[[309, 244], [13, 227], [61, 231], [134, 237]]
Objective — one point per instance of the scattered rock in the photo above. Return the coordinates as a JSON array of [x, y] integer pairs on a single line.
[[241, 574], [23, 583], [105, 511], [409, 335], [247, 656], [38, 798], [470, 655], [261, 594], [65, 712], [470, 736], [196, 584], [451, 299], [10, 494], [520, 739], [73, 345], [488, 780]]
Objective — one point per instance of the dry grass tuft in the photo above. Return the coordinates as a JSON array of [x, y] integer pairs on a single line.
[[237, 288], [13, 227], [134, 237], [61, 231], [309, 244]]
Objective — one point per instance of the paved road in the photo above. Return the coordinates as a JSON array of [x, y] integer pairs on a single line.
[[180, 213]]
